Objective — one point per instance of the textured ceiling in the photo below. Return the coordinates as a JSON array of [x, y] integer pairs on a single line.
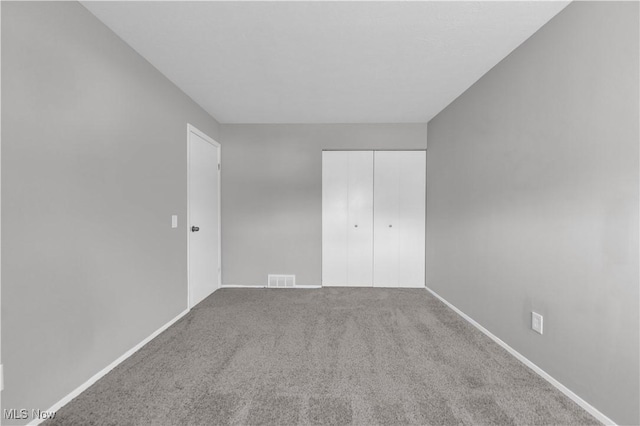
[[324, 62]]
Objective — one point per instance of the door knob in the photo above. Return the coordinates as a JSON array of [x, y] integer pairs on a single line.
[[195, 229]]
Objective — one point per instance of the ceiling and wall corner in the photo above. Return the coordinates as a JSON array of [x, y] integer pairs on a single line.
[[324, 62]]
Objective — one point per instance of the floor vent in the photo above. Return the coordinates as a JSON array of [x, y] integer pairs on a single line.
[[281, 281]]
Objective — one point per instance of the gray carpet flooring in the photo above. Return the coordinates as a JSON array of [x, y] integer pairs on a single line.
[[325, 356]]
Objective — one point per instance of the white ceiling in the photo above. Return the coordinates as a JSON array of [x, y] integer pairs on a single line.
[[324, 62]]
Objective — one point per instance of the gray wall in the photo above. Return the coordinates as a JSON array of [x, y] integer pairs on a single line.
[[93, 166], [533, 202], [272, 193]]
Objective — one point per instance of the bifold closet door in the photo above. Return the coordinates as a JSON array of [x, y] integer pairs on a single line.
[[347, 218], [399, 218]]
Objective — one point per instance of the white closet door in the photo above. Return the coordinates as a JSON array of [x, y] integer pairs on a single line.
[[360, 227], [399, 218], [347, 218], [335, 216]]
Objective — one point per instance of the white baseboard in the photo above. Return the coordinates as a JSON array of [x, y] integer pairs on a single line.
[[562, 388], [242, 286], [264, 286], [77, 391]]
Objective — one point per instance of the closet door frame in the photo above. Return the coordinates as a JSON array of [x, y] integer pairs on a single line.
[[322, 278]]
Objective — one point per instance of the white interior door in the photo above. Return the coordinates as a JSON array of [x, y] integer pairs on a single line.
[[399, 218], [204, 216], [347, 218]]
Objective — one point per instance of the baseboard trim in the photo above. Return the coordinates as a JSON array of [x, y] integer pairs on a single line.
[[264, 286], [562, 388], [242, 286], [77, 391]]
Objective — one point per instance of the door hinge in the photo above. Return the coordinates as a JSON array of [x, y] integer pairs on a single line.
[[218, 166]]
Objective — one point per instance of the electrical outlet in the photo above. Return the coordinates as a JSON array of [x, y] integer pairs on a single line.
[[536, 322], [174, 221]]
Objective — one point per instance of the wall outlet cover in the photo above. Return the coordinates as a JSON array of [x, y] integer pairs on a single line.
[[174, 221], [536, 322]]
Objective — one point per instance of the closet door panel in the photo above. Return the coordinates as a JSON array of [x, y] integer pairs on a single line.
[[386, 213], [412, 196], [399, 218], [335, 217], [360, 222]]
